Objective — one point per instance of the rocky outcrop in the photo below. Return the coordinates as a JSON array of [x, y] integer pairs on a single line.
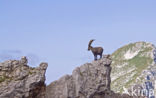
[[91, 80], [18, 80]]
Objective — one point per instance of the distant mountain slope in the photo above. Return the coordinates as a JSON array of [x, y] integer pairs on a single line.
[[131, 65]]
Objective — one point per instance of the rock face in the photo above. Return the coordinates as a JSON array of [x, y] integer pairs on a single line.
[[18, 80], [85, 82], [91, 80], [133, 65]]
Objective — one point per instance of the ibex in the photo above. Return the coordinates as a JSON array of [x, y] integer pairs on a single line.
[[95, 50]]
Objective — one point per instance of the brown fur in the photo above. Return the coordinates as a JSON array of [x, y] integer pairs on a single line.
[[95, 50]]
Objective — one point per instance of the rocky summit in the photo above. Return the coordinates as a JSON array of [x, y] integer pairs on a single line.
[[84, 82], [91, 80], [18, 80]]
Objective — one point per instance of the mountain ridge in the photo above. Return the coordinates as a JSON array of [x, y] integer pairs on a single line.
[[130, 63]]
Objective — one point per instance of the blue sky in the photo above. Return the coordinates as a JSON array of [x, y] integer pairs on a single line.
[[58, 31]]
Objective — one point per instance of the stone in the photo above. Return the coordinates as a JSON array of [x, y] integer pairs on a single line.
[[84, 81], [18, 80]]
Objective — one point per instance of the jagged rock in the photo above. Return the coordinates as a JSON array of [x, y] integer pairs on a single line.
[[84, 81], [18, 80], [91, 80]]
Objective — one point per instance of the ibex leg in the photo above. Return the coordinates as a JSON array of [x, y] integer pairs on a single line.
[[95, 57], [100, 56]]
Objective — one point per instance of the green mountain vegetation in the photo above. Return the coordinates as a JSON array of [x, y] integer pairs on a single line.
[[129, 63]]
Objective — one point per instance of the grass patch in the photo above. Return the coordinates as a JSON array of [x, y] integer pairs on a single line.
[[119, 53], [81, 74], [2, 79], [30, 72]]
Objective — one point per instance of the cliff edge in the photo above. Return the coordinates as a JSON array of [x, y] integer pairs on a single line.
[[91, 80]]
